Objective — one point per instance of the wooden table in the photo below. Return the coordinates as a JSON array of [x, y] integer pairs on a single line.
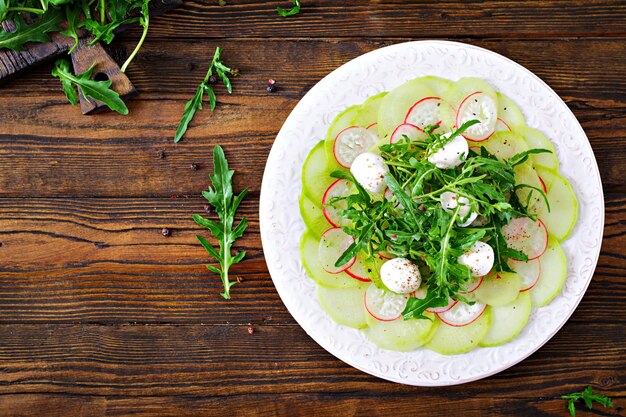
[[100, 314]]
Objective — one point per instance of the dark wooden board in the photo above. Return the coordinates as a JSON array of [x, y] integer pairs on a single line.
[[100, 314]]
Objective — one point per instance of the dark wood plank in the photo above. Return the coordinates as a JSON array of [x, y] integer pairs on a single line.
[[228, 365], [54, 150], [397, 18], [105, 261]]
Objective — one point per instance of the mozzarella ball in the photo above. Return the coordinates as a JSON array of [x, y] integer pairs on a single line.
[[452, 154], [370, 171], [400, 275], [479, 259], [449, 202]]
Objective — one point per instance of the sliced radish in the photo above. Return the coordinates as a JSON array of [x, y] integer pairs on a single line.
[[405, 129], [502, 126], [333, 244], [384, 305], [478, 106], [373, 128], [352, 142], [527, 236], [529, 271], [451, 303], [333, 208], [472, 285], [462, 314], [543, 184], [424, 113], [358, 270]]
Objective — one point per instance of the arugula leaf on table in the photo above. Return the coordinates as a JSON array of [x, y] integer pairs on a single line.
[[72, 19], [144, 21], [195, 103], [221, 197], [294, 10], [588, 396], [36, 32], [98, 90]]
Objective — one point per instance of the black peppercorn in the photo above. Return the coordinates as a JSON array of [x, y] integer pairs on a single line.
[[271, 88], [212, 80], [165, 232]]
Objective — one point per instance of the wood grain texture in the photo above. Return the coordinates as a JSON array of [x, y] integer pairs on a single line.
[[101, 315], [56, 151]]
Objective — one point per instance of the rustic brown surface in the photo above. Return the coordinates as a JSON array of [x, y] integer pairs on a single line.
[[102, 315]]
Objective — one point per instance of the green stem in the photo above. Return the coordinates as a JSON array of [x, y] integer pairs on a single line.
[[102, 12], [444, 244], [143, 38], [25, 9]]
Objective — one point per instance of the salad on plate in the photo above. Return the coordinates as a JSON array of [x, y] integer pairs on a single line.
[[434, 217]]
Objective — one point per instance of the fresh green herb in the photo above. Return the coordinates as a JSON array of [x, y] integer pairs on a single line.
[[144, 21], [195, 103], [220, 196], [294, 10], [71, 16], [98, 90], [36, 32], [588, 397], [413, 224]]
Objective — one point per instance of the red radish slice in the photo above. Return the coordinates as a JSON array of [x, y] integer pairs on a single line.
[[424, 113], [359, 270], [352, 142], [527, 236], [333, 244], [462, 314], [502, 126], [529, 271], [478, 106], [451, 303], [405, 129], [333, 208], [373, 128], [472, 285], [384, 305], [543, 184]]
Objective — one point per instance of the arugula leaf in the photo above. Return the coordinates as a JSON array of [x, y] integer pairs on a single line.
[[98, 90], [37, 32], [294, 10], [71, 17], [144, 21], [588, 397], [220, 196], [195, 103]]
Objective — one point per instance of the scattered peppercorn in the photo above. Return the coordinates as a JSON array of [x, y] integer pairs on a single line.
[[0, 244], [271, 81], [422, 207], [194, 166], [207, 209], [212, 80], [235, 72], [161, 154], [165, 232], [271, 88], [239, 279], [250, 330]]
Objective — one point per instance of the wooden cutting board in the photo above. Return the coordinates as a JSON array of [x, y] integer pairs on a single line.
[[14, 63]]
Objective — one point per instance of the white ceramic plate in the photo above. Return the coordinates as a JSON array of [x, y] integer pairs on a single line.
[[382, 70]]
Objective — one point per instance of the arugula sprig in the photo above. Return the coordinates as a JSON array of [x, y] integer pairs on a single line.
[[220, 196], [413, 223], [195, 103], [98, 90], [290, 12], [589, 397], [35, 32]]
